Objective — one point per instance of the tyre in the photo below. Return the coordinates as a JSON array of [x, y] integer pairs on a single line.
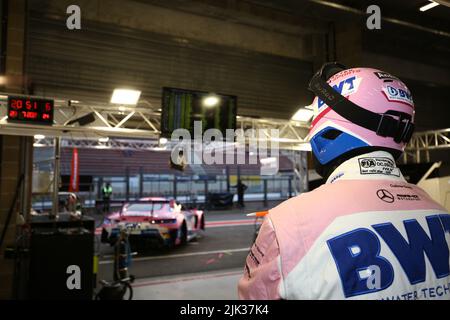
[[183, 234], [202, 223], [129, 292], [116, 291]]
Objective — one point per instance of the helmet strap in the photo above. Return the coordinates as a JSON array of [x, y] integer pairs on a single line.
[[385, 125]]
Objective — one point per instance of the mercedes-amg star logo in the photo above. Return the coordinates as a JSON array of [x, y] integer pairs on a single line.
[[385, 195]]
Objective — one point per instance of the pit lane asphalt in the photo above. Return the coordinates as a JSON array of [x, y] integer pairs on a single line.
[[218, 248]]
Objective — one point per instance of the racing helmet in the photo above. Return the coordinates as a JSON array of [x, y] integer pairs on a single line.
[[358, 110]]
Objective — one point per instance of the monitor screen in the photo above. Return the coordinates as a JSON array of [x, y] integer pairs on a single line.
[[180, 108]]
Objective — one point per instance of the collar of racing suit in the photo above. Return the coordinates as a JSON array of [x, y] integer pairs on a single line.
[[377, 165]]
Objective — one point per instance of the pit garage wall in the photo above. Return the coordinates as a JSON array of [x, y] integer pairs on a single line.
[[439, 190], [148, 47], [419, 58], [16, 155], [263, 56]]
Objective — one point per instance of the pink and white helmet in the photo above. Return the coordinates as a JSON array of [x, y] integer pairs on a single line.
[[359, 108]]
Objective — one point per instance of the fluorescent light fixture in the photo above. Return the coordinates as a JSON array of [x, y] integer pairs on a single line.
[[268, 161], [38, 145], [162, 140], [125, 96], [303, 114], [103, 139], [39, 136], [428, 6], [211, 101]]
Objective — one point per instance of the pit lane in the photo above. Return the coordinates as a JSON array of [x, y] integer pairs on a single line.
[[223, 245]]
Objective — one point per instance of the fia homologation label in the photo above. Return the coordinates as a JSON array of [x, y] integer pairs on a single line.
[[378, 165]]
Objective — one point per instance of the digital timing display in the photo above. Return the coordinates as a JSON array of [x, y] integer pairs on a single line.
[[30, 110]]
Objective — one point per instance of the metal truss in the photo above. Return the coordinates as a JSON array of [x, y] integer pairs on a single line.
[[422, 143], [140, 124], [104, 121], [287, 133], [138, 127], [118, 144], [300, 169]]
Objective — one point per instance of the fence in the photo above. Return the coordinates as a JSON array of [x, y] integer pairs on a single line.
[[187, 189]]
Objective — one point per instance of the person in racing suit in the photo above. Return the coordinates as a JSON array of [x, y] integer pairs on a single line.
[[366, 233]]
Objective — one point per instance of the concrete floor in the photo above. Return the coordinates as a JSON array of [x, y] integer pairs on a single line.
[[201, 286], [207, 268]]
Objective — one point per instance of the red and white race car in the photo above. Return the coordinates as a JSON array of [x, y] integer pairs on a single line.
[[154, 222]]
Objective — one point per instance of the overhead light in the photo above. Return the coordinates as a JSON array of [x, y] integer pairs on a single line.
[[2, 80], [125, 96], [103, 139], [428, 6], [102, 147], [303, 114], [268, 161], [162, 140], [38, 145], [39, 136], [211, 101]]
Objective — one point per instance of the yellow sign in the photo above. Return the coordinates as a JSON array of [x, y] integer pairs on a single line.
[[244, 179]]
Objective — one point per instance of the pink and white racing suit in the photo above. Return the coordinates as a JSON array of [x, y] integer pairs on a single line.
[[365, 234]]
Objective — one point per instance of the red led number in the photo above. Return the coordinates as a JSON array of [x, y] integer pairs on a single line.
[[29, 114], [16, 104], [30, 105], [13, 114]]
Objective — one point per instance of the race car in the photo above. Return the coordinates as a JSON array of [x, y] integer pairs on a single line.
[[154, 222]]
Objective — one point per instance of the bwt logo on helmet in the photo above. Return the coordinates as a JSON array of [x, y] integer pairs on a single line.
[[398, 95], [358, 259], [346, 87]]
